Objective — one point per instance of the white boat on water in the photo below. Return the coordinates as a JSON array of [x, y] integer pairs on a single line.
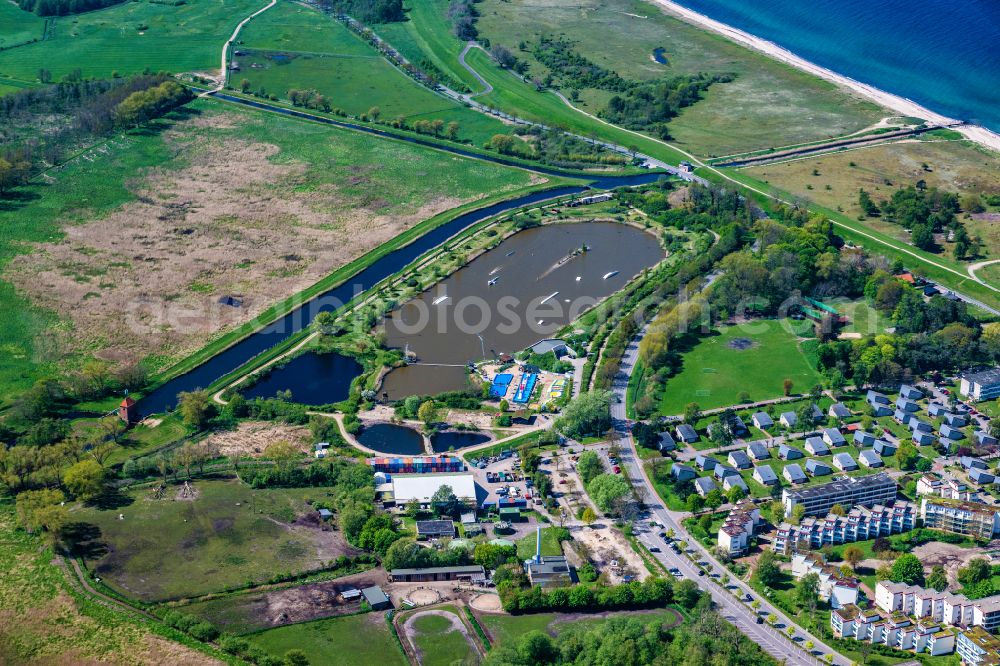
[[549, 297], [578, 278], [610, 275], [493, 281], [439, 299]]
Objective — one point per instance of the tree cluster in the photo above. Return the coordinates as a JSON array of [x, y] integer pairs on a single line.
[[310, 99], [463, 14], [64, 7], [648, 593], [372, 11], [649, 107], [586, 415]]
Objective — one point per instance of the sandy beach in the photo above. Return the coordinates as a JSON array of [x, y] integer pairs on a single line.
[[895, 103]]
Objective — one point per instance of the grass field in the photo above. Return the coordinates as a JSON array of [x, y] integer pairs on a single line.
[[18, 26], [307, 187], [427, 34], [713, 373], [955, 166], [337, 63], [439, 643], [768, 104], [131, 37], [228, 536], [46, 621], [336, 641]]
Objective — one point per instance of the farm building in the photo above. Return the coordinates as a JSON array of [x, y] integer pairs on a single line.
[[376, 598], [469, 572]]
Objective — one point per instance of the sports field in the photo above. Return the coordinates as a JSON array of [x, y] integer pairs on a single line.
[[228, 535], [127, 38], [754, 357], [336, 641]]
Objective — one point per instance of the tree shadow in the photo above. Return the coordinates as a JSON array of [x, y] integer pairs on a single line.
[[82, 540], [111, 498], [16, 199]]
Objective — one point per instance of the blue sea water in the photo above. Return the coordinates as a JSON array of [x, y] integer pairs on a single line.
[[943, 54]]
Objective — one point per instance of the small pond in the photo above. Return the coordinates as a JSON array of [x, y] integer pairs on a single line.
[[659, 55], [392, 438], [313, 379], [442, 442]]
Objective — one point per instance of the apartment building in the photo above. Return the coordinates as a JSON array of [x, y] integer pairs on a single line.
[[974, 519], [859, 524], [946, 487], [977, 647], [862, 490], [895, 630], [950, 609], [741, 523], [834, 588]]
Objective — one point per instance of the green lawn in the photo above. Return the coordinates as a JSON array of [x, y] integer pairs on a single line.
[[131, 37], [439, 643], [336, 641], [714, 374], [228, 536], [550, 546]]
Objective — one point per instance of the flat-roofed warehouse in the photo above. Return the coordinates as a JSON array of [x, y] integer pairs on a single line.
[[400, 489]]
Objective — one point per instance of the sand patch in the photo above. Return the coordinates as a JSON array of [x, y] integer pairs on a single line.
[[148, 279], [250, 438]]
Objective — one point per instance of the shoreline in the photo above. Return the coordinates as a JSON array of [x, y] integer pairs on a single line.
[[890, 101]]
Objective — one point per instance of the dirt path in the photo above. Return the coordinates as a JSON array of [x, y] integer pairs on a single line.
[[223, 76], [487, 88], [980, 264]]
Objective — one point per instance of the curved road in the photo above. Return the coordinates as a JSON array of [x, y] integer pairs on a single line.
[[224, 72], [735, 609]]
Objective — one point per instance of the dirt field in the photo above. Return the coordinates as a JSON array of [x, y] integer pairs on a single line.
[[251, 438], [264, 610], [228, 215], [950, 556]]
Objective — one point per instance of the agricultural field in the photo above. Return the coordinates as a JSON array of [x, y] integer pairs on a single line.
[[211, 201], [336, 641], [64, 627], [769, 104], [225, 536], [339, 64], [128, 38], [754, 357]]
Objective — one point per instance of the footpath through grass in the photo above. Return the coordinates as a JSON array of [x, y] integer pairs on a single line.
[[755, 357]]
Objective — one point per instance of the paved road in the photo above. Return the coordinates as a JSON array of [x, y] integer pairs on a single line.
[[737, 611]]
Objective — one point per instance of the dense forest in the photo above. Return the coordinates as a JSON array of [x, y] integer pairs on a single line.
[[40, 126], [64, 7]]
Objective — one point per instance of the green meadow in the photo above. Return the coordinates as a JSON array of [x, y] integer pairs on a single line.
[[128, 38], [334, 61], [336, 641], [18, 26], [754, 357]]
